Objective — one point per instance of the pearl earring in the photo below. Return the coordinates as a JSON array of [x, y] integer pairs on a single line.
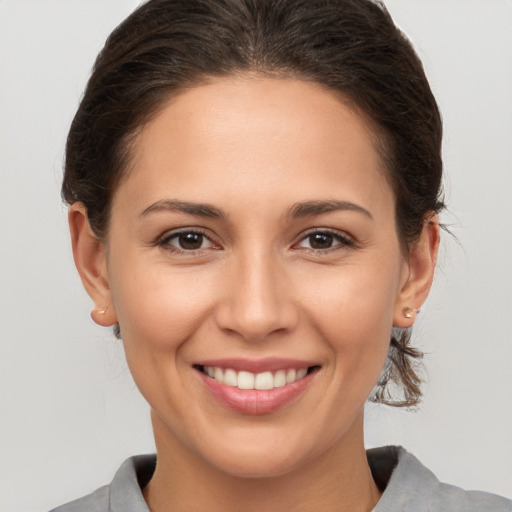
[[409, 312]]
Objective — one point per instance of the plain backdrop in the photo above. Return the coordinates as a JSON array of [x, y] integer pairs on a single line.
[[70, 413]]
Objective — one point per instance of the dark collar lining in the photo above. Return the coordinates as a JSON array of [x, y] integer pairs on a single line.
[[382, 462]]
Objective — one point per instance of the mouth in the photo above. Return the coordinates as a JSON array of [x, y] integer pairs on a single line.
[[256, 388], [261, 381]]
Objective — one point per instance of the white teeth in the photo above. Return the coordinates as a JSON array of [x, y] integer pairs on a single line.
[[279, 378], [290, 376], [230, 378], [264, 380], [261, 381], [217, 374], [245, 380], [301, 373]]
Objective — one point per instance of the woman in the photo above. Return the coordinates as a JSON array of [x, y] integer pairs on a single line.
[[254, 189]]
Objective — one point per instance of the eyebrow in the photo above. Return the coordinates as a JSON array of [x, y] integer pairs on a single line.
[[310, 208], [172, 205], [302, 209]]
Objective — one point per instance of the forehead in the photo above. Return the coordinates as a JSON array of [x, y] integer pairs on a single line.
[[243, 136]]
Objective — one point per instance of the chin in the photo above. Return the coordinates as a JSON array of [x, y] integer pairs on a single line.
[[261, 453], [257, 464]]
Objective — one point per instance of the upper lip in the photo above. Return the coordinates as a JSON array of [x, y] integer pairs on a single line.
[[270, 364]]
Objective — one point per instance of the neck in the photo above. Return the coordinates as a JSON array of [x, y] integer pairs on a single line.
[[339, 481]]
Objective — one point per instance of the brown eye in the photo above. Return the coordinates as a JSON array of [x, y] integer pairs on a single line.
[[186, 241], [325, 240], [190, 241], [321, 241]]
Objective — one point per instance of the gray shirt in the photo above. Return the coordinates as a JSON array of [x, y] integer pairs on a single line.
[[408, 487]]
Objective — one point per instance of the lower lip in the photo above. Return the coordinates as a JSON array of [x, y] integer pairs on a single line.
[[255, 401]]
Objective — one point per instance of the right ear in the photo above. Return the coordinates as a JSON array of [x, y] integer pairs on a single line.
[[91, 263]]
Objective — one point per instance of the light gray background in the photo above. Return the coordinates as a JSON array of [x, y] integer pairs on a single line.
[[69, 410]]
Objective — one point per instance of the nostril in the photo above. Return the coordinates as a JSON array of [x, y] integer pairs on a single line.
[[253, 324]]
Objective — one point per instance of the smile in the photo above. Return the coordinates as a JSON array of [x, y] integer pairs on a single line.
[[256, 387], [261, 381]]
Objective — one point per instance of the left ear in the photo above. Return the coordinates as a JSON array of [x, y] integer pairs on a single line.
[[419, 274]]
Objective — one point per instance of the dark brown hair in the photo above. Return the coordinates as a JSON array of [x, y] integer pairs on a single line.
[[351, 47]]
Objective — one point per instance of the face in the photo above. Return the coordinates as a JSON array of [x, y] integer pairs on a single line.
[[253, 245]]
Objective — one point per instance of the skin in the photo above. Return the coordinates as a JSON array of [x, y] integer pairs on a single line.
[[258, 286]]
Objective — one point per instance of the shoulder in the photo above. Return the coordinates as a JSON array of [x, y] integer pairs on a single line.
[[94, 502], [412, 487], [123, 494]]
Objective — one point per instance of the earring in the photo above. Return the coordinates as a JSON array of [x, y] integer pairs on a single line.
[[100, 317], [409, 312]]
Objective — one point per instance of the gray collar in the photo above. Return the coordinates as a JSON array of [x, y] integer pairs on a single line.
[[126, 487], [407, 486]]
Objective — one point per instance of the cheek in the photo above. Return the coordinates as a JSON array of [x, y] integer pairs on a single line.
[[159, 308], [353, 309]]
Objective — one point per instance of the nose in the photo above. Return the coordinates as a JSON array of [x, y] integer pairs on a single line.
[[257, 299]]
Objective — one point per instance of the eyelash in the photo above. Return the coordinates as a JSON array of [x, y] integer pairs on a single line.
[[165, 241], [343, 241]]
